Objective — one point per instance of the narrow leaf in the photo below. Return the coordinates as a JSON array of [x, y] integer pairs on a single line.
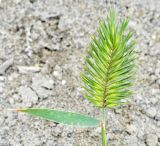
[[63, 117]]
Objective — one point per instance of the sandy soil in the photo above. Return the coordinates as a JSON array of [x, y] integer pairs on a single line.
[[41, 48]]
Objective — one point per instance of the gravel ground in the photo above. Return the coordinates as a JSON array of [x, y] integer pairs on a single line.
[[41, 48]]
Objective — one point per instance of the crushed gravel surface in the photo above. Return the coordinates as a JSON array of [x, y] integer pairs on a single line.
[[41, 47]]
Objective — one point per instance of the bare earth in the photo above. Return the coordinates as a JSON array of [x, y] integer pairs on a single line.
[[41, 47]]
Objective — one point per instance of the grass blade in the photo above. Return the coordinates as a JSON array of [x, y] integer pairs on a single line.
[[63, 117]]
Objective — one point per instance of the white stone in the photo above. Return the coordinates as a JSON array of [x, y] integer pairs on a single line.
[[4, 66], [29, 97], [151, 112], [42, 85], [131, 129], [155, 51], [11, 100], [152, 140], [63, 82], [28, 69], [58, 72], [2, 78], [43, 81]]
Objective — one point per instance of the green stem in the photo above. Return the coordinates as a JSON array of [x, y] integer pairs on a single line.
[[103, 128]]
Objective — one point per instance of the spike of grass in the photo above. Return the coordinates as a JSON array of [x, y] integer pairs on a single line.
[[109, 66]]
